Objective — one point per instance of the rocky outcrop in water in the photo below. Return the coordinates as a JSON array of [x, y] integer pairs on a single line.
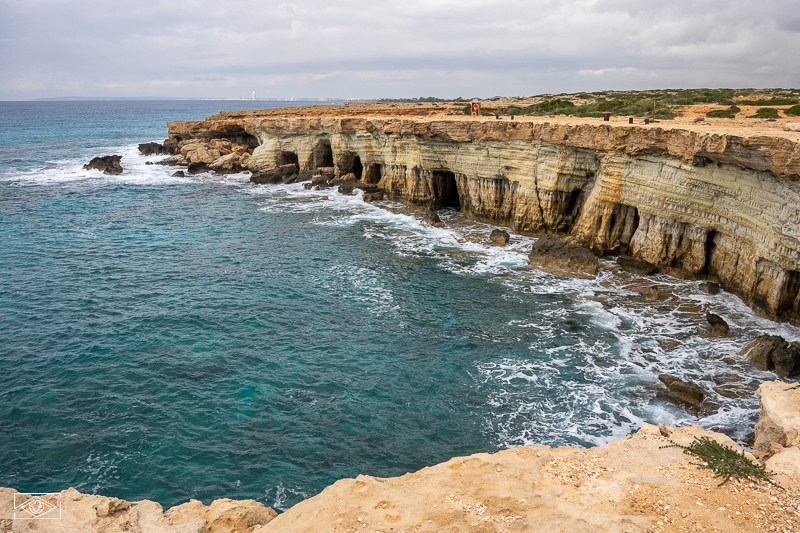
[[683, 390], [695, 205], [499, 237], [107, 164], [772, 352], [558, 257], [153, 148]]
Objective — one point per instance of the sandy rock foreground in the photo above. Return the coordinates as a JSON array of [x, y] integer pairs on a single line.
[[631, 485]]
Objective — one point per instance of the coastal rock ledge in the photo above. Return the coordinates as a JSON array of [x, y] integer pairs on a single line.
[[695, 204], [631, 485]]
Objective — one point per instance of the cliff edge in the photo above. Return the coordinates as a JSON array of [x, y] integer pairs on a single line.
[[630, 485], [697, 202]]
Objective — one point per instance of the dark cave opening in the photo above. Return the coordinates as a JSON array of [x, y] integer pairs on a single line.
[[445, 190], [288, 158], [373, 174], [323, 155]]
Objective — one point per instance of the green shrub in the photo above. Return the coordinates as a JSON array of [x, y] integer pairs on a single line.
[[765, 112], [726, 462], [775, 100], [720, 113], [793, 111]]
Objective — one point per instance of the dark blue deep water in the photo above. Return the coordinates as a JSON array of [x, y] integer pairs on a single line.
[[171, 338]]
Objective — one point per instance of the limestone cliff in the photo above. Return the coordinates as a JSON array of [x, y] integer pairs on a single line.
[[696, 204]]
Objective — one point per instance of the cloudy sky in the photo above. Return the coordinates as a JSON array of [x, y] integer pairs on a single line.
[[385, 49]]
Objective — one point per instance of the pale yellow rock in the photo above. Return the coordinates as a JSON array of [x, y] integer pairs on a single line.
[[786, 462], [697, 204], [99, 514], [779, 422]]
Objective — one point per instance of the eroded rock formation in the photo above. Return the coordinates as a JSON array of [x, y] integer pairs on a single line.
[[699, 206], [107, 164]]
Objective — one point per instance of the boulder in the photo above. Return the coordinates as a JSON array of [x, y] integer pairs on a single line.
[[787, 360], [778, 425], [373, 196], [636, 266], [346, 189], [792, 126], [759, 350], [226, 164], [561, 258], [499, 237], [306, 175], [432, 218], [274, 174], [153, 148], [683, 390], [107, 164], [719, 327], [344, 179], [709, 287], [174, 161], [179, 174]]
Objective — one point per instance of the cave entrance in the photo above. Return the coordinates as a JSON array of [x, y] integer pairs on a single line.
[[288, 158], [373, 174], [323, 155], [351, 163], [445, 190]]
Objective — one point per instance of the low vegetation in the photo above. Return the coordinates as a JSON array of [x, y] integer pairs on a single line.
[[765, 112], [663, 104], [725, 462], [724, 113], [793, 111]]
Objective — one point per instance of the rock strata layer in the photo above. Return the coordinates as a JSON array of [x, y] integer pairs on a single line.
[[696, 205]]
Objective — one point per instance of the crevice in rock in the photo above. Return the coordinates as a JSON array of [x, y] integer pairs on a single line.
[[711, 247], [790, 295]]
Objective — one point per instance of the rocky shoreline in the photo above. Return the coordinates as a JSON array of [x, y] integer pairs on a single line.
[[718, 207], [631, 485]]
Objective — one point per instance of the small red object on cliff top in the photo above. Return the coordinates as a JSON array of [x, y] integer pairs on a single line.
[[606, 116], [476, 108]]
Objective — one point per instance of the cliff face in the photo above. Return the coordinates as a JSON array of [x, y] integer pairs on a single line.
[[698, 205]]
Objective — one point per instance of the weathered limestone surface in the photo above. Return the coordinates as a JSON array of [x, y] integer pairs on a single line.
[[778, 427], [721, 207], [100, 514]]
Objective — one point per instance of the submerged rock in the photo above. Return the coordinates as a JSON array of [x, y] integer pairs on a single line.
[[373, 196], [636, 266], [719, 327], [432, 218], [107, 164], [499, 237], [709, 287], [683, 390], [558, 257], [179, 174], [649, 293]]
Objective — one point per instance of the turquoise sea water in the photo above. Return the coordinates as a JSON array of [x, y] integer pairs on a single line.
[[171, 338]]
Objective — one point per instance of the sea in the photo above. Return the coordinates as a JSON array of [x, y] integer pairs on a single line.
[[203, 337]]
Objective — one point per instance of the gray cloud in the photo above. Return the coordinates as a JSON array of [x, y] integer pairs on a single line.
[[364, 49]]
